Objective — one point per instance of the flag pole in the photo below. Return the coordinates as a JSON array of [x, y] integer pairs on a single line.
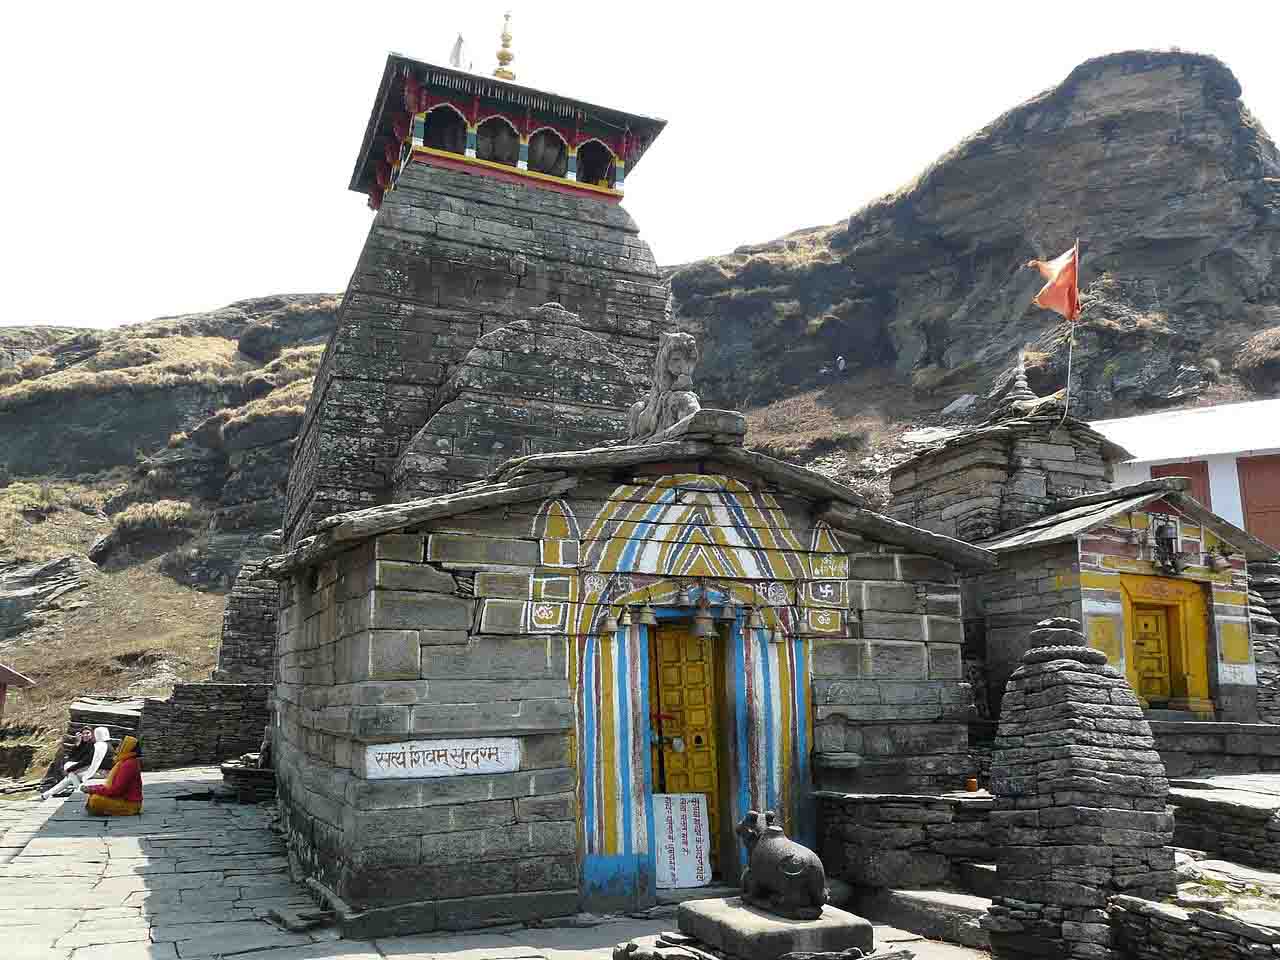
[[1071, 339]]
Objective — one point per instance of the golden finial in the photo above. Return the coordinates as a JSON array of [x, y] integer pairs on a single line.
[[505, 56]]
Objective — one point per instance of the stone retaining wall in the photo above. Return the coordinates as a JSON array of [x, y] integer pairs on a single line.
[[203, 723], [903, 841], [1146, 930], [1229, 824], [1205, 749]]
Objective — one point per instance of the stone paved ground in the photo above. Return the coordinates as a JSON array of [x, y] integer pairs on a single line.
[[192, 879]]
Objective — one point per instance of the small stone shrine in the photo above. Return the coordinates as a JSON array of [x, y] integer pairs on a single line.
[[1158, 580], [1080, 812]]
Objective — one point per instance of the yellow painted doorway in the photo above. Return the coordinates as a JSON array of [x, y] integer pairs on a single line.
[[1167, 633], [686, 674]]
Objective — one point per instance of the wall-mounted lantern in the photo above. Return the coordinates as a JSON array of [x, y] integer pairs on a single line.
[[1166, 538]]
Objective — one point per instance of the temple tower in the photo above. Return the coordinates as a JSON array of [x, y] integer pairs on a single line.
[[492, 199]]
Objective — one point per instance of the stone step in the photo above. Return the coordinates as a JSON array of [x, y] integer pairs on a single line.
[[1176, 716], [934, 914], [979, 879]]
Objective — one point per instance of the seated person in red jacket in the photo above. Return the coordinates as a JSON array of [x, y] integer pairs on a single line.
[[121, 795]]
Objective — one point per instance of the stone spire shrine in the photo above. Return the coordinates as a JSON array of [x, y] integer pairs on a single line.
[[492, 200]]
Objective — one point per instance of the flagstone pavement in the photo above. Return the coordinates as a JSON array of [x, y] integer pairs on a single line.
[[193, 879]]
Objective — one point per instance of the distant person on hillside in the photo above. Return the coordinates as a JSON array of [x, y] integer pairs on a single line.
[[121, 795], [83, 761]]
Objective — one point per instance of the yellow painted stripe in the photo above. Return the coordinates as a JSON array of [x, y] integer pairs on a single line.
[[532, 174], [1092, 580], [1230, 596]]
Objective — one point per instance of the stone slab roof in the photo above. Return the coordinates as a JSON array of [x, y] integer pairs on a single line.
[[1079, 515], [707, 436], [1197, 432], [12, 678], [1008, 429]]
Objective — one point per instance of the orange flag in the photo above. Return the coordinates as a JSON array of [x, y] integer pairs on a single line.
[[1061, 292]]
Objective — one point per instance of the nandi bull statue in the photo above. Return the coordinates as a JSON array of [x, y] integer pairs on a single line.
[[782, 876]]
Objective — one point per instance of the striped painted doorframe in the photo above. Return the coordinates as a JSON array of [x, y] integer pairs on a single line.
[[768, 742]]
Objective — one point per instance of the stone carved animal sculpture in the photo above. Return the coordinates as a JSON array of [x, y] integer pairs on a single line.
[[782, 876], [671, 398]]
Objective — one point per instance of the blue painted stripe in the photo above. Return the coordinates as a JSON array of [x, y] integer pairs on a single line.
[[649, 789], [589, 758], [621, 678], [742, 732], [643, 529], [770, 735]]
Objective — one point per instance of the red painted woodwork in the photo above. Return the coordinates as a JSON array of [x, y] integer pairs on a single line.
[[1260, 494], [1197, 471]]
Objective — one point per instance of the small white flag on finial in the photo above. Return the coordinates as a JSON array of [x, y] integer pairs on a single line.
[[457, 57]]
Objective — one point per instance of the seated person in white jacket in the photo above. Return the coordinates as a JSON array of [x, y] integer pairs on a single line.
[[81, 765]]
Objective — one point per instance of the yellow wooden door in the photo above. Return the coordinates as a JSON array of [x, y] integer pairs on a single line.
[[1151, 643], [687, 761]]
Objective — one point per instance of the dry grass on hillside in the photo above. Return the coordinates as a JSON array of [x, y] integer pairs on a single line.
[[131, 630], [134, 364], [159, 516], [291, 399], [836, 417]]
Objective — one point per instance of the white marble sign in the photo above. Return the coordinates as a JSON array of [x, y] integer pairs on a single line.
[[683, 840], [441, 758]]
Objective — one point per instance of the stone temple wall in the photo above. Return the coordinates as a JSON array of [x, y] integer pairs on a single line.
[[539, 384], [892, 706], [489, 624], [1028, 586], [246, 652], [998, 477], [451, 256]]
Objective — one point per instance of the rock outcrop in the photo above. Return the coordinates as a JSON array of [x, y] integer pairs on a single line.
[[1151, 159]]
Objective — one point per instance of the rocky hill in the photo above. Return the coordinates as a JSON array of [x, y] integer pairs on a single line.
[[1151, 159], [142, 460], [195, 413]]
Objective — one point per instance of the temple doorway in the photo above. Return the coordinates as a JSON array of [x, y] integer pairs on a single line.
[[687, 739]]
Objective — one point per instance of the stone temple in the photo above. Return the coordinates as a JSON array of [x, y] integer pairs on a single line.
[[535, 603], [530, 590]]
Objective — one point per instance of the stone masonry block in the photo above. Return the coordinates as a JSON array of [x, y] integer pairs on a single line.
[[892, 597], [380, 722], [898, 660], [410, 610], [945, 629], [467, 550], [913, 567], [892, 626], [394, 654], [560, 806], [504, 717], [394, 575], [873, 566], [512, 586], [406, 547], [495, 658], [837, 658]]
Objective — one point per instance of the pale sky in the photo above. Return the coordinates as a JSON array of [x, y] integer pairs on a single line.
[[164, 158]]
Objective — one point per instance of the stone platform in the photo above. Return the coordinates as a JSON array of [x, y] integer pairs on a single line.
[[739, 930], [191, 879]]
